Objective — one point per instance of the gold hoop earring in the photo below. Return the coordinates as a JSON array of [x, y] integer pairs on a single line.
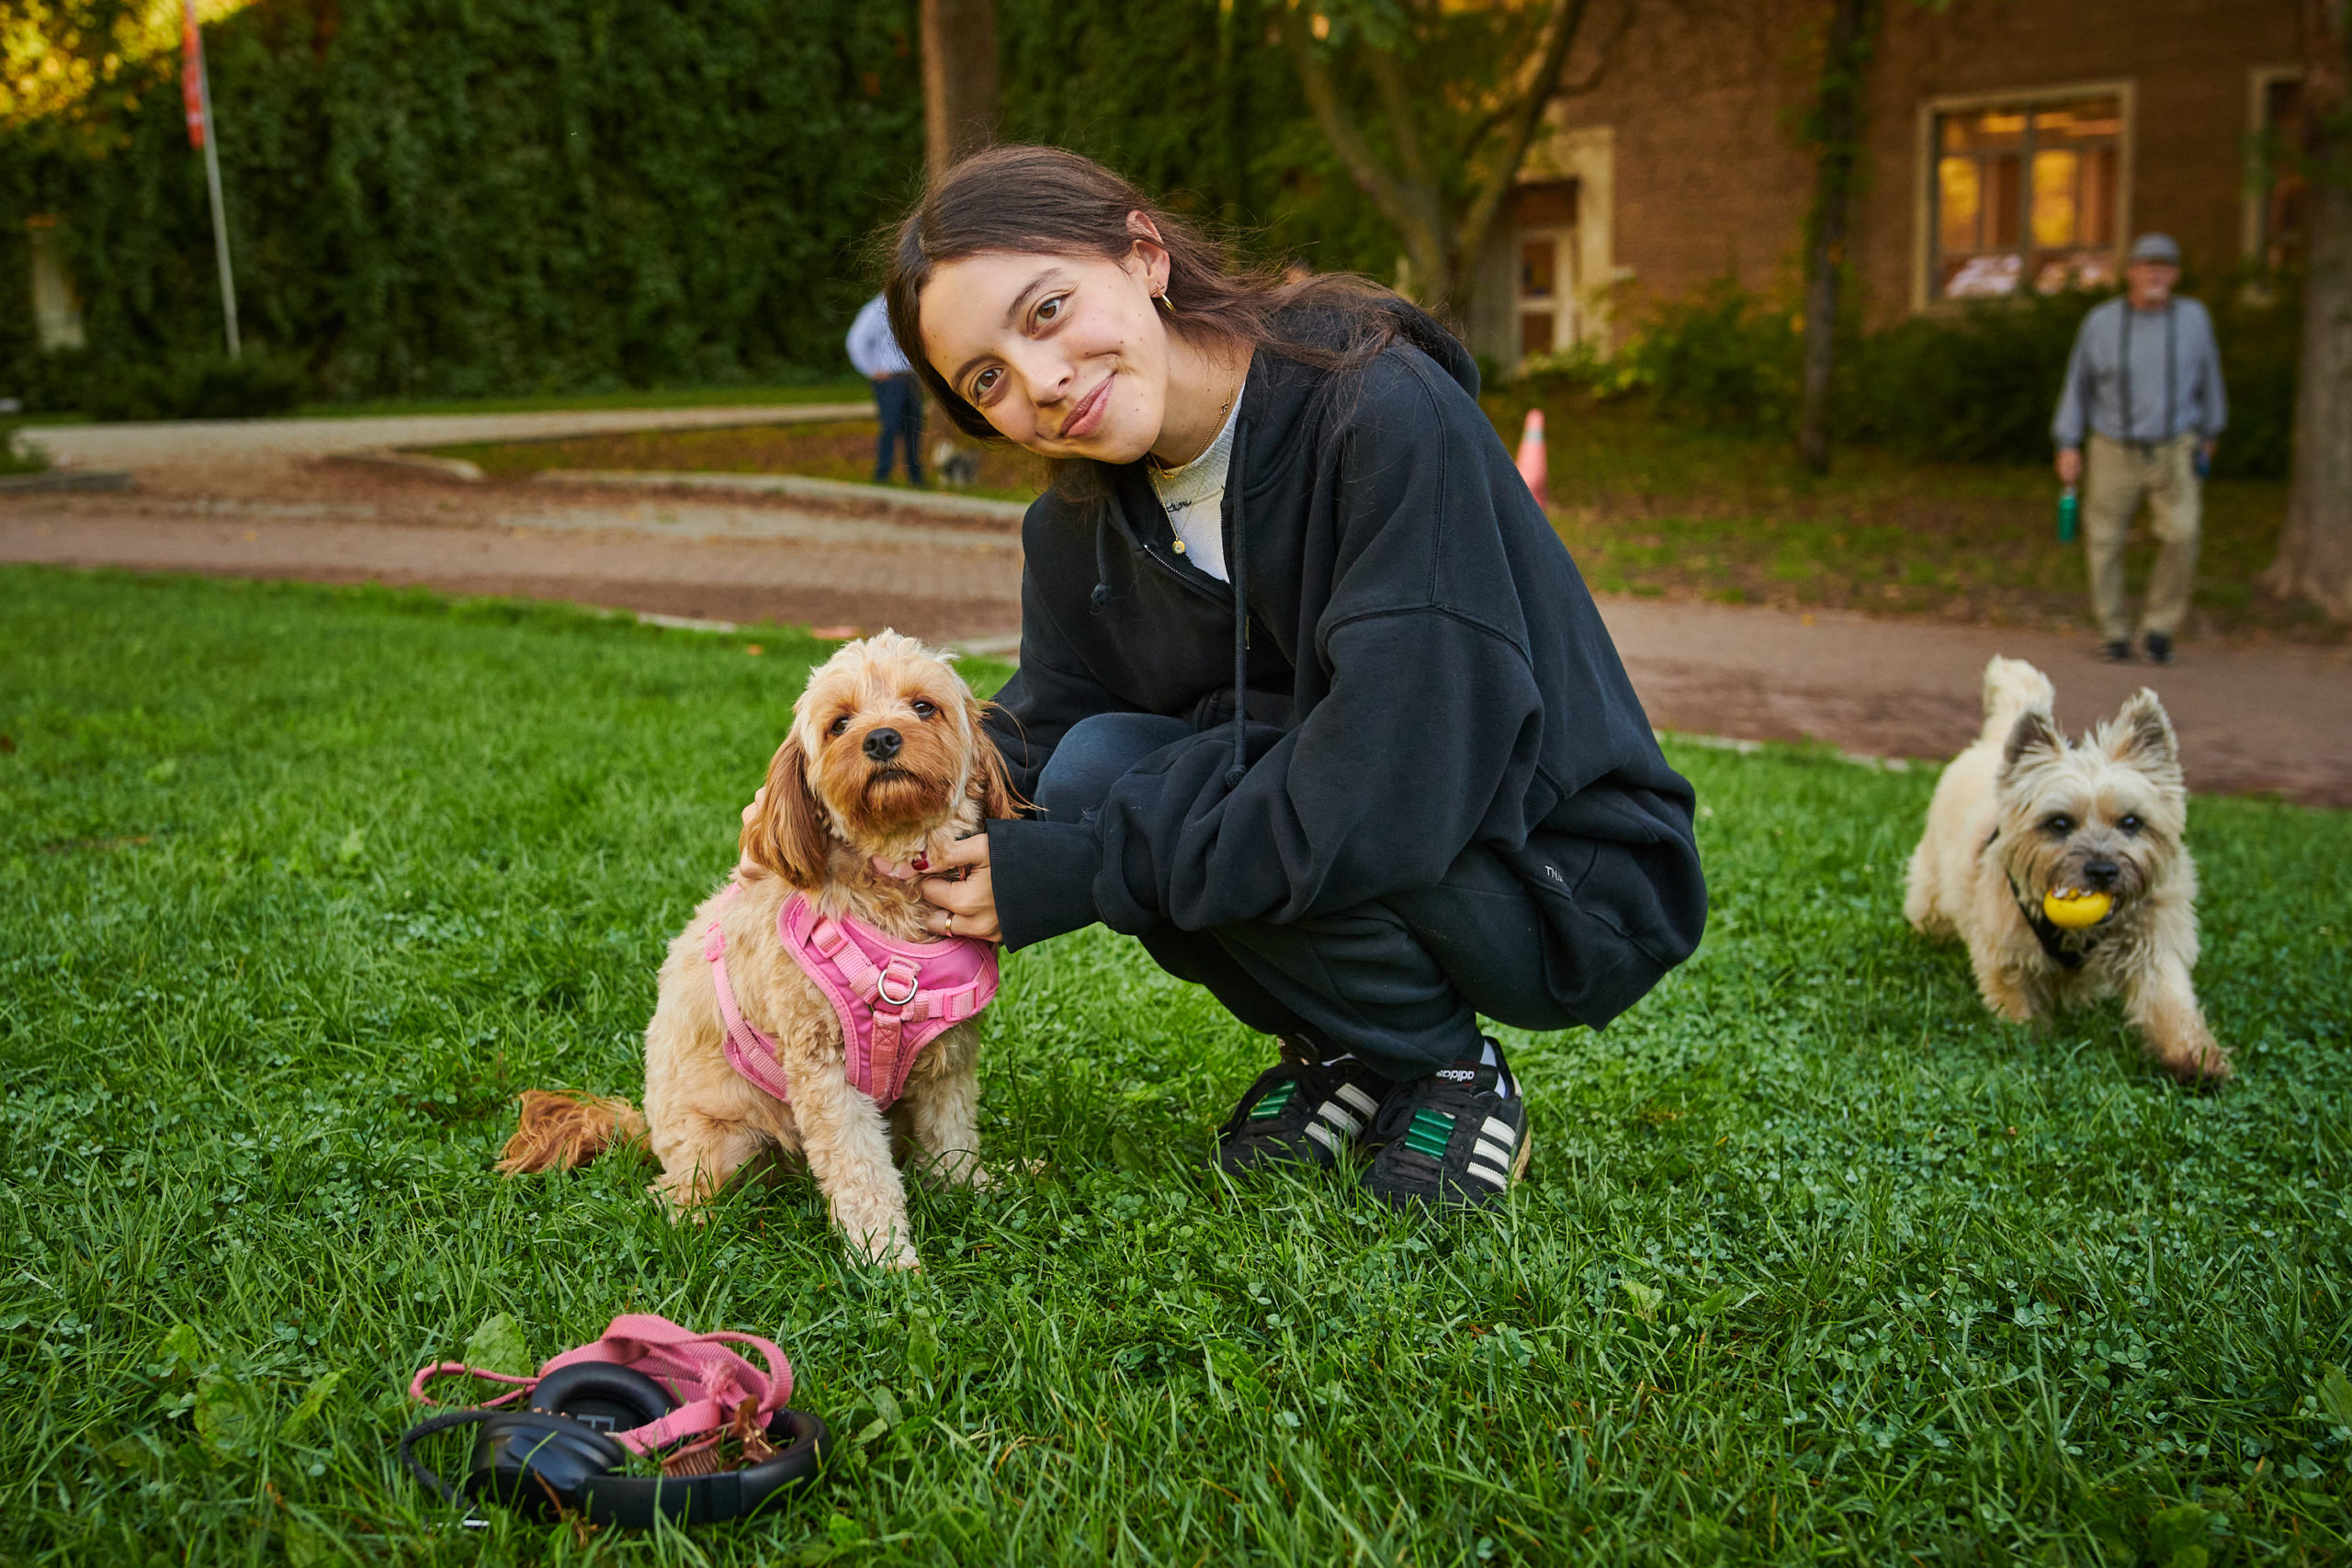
[[1166, 303]]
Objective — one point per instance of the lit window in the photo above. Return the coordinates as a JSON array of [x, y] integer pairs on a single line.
[[2025, 197]]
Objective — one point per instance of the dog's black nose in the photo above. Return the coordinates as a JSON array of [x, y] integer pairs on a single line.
[[2101, 873], [882, 745]]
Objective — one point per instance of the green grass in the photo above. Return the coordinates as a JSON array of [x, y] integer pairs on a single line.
[[1815, 1260], [842, 450], [1651, 507], [848, 390]]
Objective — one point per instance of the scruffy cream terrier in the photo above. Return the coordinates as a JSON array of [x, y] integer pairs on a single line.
[[2063, 868], [886, 764]]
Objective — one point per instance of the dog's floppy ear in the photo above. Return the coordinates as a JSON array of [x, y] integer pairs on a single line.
[[788, 834], [992, 782], [2032, 733], [2141, 734]]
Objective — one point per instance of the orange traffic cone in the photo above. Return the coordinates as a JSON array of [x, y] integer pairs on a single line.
[[1532, 467]]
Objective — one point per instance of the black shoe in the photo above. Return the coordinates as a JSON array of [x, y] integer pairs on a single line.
[[2159, 649], [1450, 1138], [1301, 1113], [2115, 652]]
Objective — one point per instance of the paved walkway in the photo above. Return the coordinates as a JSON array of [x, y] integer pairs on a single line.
[[215, 442], [2251, 717]]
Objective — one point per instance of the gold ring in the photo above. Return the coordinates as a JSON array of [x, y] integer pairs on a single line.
[[951, 922]]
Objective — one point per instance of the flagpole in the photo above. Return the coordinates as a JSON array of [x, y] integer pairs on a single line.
[[194, 63]]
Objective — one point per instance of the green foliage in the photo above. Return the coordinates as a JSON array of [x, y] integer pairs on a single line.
[[1973, 383], [16, 458], [459, 197], [1815, 1260], [1721, 359], [193, 386], [1978, 383]]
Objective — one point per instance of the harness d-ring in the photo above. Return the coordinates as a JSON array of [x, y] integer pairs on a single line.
[[882, 989]]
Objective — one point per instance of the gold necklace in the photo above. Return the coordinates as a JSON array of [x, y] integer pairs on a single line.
[[1160, 465]]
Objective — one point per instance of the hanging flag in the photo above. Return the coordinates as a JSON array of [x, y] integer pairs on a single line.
[[192, 72]]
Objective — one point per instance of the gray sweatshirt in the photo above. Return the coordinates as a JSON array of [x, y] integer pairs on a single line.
[[2108, 366]]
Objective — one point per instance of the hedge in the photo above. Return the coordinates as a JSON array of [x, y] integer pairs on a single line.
[[455, 197]]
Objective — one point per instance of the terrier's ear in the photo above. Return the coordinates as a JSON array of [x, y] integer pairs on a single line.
[[2141, 734], [2030, 738], [991, 783], [789, 834]]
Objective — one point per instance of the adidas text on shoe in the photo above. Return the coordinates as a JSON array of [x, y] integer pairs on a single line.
[[1452, 1138]]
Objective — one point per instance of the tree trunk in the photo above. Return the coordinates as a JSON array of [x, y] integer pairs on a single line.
[[1837, 129], [2315, 551], [959, 75]]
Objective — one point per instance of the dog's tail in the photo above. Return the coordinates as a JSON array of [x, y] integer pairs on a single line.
[[558, 1132], [2013, 687]]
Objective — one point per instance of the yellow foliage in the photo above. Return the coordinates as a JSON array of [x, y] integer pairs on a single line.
[[55, 53]]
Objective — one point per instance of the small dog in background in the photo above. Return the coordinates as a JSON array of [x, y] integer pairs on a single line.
[[958, 468], [2025, 815], [885, 766]]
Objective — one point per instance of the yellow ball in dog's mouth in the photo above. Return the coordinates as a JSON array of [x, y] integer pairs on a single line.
[[2076, 911]]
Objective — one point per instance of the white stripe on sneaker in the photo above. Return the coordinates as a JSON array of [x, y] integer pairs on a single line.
[[1364, 1104], [1490, 1151], [1315, 1130], [1497, 1128], [1490, 1175], [1340, 1119]]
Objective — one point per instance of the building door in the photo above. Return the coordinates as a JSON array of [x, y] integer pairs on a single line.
[[1544, 280]]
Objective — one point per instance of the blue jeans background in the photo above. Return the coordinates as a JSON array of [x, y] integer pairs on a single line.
[[1400, 981], [898, 403]]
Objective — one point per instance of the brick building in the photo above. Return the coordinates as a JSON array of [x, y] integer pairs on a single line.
[[2011, 144]]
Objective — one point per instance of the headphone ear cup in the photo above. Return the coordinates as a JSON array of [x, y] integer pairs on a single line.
[[535, 1462], [602, 1396]]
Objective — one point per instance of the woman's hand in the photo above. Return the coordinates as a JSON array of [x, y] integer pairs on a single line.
[[966, 908]]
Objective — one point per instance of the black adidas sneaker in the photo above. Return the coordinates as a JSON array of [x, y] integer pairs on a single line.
[[1300, 1111], [1451, 1138]]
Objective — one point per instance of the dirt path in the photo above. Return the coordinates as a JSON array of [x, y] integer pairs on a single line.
[[2252, 717]]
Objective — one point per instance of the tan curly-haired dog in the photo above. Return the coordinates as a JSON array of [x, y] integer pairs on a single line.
[[885, 762], [2025, 813]]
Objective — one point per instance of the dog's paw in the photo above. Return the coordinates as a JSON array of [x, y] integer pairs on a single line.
[[2201, 1065], [681, 1202], [893, 1254]]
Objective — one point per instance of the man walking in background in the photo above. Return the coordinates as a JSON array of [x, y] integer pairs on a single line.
[[897, 396], [2146, 377]]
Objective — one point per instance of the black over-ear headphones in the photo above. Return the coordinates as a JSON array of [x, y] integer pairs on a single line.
[[559, 1454]]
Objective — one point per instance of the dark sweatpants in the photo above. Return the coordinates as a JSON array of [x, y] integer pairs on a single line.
[[1399, 981]]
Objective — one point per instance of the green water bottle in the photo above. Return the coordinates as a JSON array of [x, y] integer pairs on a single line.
[[2070, 513]]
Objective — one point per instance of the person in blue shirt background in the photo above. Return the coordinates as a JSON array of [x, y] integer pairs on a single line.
[[2145, 377], [897, 396]]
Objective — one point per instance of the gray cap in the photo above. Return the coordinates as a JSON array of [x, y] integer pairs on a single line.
[[2155, 248]]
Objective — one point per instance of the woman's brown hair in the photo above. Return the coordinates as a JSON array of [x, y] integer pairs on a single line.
[[1047, 201]]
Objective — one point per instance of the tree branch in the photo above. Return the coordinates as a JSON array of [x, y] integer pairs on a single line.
[[1526, 117], [1322, 93]]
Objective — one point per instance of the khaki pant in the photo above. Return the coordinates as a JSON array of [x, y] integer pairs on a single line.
[[2118, 475]]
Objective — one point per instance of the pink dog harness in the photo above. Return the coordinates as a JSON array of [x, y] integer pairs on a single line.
[[892, 998], [706, 1379]]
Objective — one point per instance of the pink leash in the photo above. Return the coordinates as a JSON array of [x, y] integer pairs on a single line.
[[707, 1379], [892, 998]]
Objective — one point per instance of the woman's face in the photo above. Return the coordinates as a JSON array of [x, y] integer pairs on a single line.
[[1064, 354]]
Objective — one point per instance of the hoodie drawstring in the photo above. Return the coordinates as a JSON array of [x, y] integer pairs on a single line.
[[1101, 597], [1237, 571]]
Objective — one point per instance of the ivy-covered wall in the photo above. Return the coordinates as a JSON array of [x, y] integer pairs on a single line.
[[461, 195], [453, 197]]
